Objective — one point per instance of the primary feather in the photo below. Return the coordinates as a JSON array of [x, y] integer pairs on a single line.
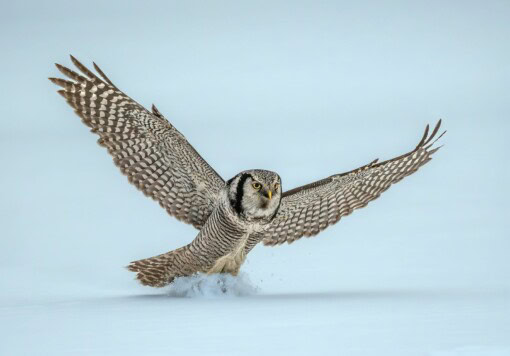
[[156, 157]]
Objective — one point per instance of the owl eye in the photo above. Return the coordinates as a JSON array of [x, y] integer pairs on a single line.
[[276, 186], [256, 185]]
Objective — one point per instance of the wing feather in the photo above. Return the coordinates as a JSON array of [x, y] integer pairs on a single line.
[[307, 210], [155, 157]]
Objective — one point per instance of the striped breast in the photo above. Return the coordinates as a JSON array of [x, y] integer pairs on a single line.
[[224, 241]]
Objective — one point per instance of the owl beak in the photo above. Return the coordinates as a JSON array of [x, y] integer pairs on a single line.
[[269, 194]]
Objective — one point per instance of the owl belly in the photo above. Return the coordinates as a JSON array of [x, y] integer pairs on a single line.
[[231, 262]]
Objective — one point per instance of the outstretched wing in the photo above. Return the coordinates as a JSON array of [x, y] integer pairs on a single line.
[[156, 157], [307, 210]]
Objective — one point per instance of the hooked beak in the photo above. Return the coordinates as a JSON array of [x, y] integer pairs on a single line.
[[269, 194]]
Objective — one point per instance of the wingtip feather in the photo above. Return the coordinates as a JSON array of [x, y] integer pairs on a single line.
[[434, 132], [424, 137], [76, 62], [104, 76]]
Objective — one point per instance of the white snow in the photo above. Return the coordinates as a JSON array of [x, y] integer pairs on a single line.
[[212, 286], [362, 321]]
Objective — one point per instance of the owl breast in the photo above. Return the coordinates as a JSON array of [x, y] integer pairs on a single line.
[[228, 237], [231, 262]]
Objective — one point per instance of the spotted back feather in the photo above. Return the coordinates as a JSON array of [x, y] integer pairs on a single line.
[[156, 157]]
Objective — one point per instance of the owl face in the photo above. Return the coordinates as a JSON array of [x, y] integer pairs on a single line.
[[255, 194]]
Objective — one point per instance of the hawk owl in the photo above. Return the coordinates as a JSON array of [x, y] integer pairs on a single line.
[[232, 216]]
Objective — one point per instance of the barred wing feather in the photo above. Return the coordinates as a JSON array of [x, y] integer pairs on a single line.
[[156, 157], [307, 210]]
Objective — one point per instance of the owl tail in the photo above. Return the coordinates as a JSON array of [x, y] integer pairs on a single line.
[[158, 271]]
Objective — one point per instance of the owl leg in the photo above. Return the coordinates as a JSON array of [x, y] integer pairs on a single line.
[[230, 263]]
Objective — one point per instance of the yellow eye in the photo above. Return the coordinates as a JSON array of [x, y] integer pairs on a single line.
[[256, 186], [276, 186]]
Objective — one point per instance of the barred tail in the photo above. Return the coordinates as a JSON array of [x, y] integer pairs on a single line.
[[161, 270]]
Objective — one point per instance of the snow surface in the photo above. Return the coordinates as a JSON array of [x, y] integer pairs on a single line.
[[307, 89], [352, 321], [212, 286]]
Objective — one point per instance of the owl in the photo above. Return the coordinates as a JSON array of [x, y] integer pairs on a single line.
[[231, 216]]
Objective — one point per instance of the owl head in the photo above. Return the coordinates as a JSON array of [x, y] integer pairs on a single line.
[[255, 194]]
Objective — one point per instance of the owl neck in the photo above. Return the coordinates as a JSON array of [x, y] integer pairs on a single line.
[[236, 192]]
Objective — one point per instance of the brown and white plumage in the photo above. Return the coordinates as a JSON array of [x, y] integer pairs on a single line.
[[307, 210], [156, 157], [232, 216]]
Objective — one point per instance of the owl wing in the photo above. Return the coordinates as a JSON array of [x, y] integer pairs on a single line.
[[307, 210], [156, 157]]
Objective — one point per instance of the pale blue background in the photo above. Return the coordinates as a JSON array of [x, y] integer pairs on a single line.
[[305, 88]]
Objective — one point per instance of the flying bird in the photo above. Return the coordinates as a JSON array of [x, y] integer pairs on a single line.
[[232, 216]]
